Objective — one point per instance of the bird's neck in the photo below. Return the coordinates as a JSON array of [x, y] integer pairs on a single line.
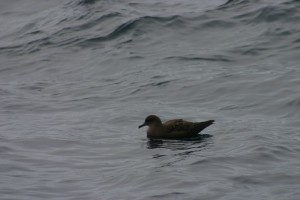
[[155, 130]]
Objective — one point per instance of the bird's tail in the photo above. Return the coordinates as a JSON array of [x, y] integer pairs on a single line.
[[202, 125], [209, 122]]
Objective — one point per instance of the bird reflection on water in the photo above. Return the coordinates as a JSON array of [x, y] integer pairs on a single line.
[[172, 152], [183, 144]]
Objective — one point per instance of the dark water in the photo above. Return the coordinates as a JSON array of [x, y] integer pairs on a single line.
[[78, 77]]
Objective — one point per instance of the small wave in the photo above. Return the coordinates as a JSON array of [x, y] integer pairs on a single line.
[[86, 2], [237, 3], [295, 103], [259, 12], [129, 26], [119, 30], [217, 58], [269, 14], [217, 23], [267, 178], [273, 13]]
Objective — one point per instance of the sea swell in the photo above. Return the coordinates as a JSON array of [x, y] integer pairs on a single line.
[[83, 26]]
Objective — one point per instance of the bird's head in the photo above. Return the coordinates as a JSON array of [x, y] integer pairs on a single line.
[[151, 120]]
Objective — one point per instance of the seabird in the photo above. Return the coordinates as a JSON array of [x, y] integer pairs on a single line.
[[173, 129]]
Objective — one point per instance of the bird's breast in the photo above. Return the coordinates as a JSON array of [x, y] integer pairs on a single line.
[[155, 131]]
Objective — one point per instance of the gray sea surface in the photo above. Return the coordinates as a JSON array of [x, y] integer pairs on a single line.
[[77, 78]]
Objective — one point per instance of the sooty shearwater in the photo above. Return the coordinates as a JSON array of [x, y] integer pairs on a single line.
[[173, 129]]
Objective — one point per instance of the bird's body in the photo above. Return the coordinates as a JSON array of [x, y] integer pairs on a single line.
[[173, 129]]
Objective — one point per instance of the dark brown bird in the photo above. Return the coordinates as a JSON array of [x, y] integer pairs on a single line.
[[173, 129]]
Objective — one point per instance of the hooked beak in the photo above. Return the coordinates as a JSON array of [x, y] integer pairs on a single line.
[[144, 124]]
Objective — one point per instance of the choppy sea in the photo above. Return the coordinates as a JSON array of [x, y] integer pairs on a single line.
[[77, 77]]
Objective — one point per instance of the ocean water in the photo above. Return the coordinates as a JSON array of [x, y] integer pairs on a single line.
[[77, 77]]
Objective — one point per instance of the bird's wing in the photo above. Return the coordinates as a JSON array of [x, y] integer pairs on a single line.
[[178, 125], [179, 128], [173, 124]]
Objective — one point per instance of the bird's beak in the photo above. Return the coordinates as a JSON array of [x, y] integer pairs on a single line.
[[144, 124]]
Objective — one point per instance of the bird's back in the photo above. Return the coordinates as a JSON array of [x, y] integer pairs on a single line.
[[178, 128]]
